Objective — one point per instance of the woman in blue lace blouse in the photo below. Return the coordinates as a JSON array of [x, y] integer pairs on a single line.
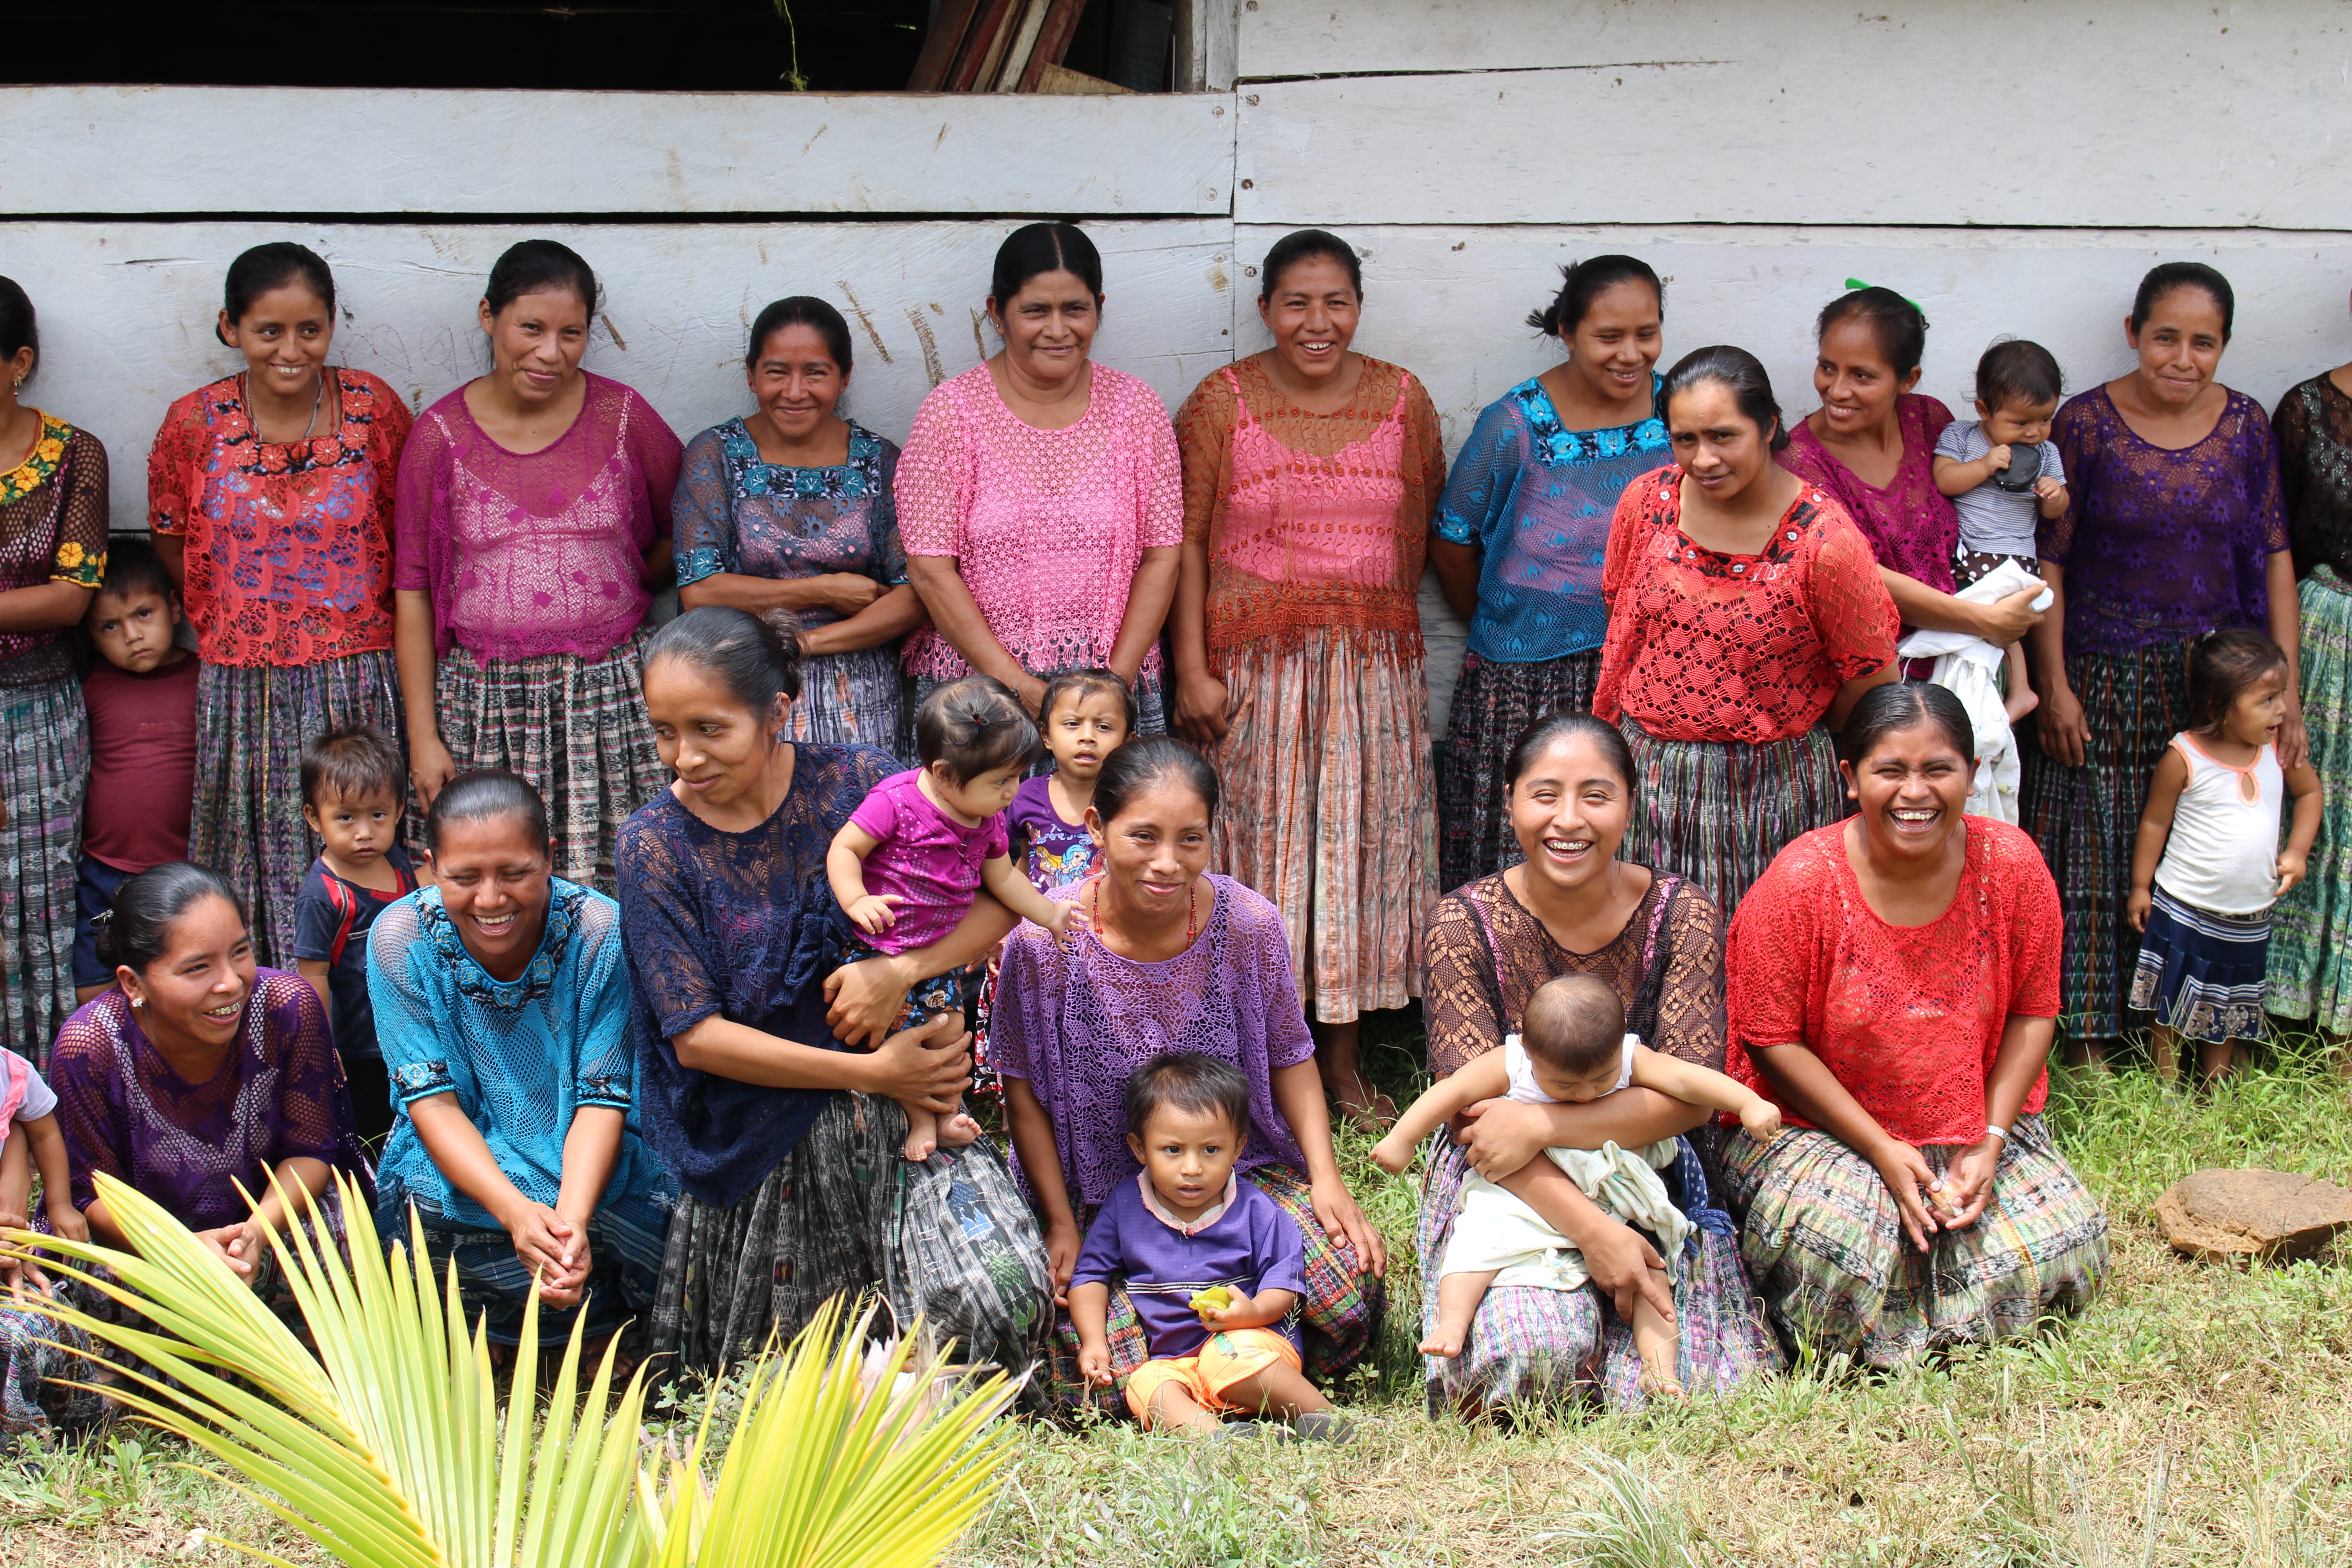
[[789, 507], [1520, 532], [785, 1139], [502, 1004]]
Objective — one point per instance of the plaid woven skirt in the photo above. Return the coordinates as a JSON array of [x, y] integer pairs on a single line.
[[2311, 931], [2200, 974], [1330, 811], [2086, 819], [949, 1240], [37, 1358], [575, 728], [1531, 1348], [850, 699], [251, 726], [1493, 703], [1339, 1315], [1717, 811], [1824, 1244], [44, 773]]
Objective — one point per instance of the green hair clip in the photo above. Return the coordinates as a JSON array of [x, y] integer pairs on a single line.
[[1853, 283]]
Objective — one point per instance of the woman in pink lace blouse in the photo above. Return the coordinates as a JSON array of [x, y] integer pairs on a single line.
[[533, 518], [1038, 495]]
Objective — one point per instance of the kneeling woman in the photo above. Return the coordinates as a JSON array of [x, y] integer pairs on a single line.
[[1179, 960], [502, 1002], [1893, 987]]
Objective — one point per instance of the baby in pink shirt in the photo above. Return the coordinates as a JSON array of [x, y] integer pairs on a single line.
[[919, 849]]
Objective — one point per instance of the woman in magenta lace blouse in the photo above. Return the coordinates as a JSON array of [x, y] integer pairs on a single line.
[[2176, 526], [1039, 496], [1179, 960], [533, 521]]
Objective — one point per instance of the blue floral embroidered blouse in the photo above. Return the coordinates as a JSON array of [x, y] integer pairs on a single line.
[[735, 513], [1537, 500], [522, 1056]]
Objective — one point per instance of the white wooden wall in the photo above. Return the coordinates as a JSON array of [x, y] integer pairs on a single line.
[[2012, 164]]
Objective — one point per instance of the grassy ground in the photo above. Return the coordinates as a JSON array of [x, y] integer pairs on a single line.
[[2197, 1415]]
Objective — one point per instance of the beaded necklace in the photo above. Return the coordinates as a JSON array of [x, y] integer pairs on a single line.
[[1192, 914]]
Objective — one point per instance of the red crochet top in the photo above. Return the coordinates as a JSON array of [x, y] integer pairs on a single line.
[[1703, 647], [1909, 1018]]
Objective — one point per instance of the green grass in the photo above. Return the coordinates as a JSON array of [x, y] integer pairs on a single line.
[[2197, 1415]]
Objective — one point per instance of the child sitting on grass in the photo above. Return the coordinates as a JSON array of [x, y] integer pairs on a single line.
[[1572, 1049], [909, 860], [1214, 1266]]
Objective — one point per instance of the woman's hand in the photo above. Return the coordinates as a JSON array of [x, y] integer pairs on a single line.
[[241, 1246], [1904, 1170], [2004, 621], [845, 592], [1968, 1182], [864, 999], [2293, 743], [927, 1065], [1626, 1268], [2065, 732], [1502, 1136], [1342, 1219], [1201, 709], [1062, 1244], [551, 1247], [430, 766]]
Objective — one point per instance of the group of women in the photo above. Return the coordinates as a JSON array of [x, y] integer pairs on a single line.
[[1723, 588]]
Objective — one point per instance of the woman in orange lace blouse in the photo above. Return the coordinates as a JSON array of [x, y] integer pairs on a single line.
[[1746, 616], [1310, 476], [1894, 988]]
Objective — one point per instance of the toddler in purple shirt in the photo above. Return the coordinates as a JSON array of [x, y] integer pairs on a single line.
[[911, 857], [1213, 1266]]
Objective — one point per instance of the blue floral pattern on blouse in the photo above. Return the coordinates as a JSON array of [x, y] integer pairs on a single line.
[[736, 513]]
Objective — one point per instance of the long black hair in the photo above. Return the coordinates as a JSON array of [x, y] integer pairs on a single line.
[[486, 794], [1037, 248], [756, 657], [1896, 707], [137, 929], [1582, 282], [2167, 276], [1540, 736], [535, 264], [268, 267], [1735, 368], [1144, 762]]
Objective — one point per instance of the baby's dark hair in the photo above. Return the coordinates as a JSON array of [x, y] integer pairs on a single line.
[[351, 762], [2018, 372], [975, 726], [2221, 666], [1189, 1080], [1086, 683], [133, 567], [1575, 1023]]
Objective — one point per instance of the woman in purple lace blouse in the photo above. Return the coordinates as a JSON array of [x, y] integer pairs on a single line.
[[1179, 960], [533, 523], [2176, 527], [784, 1137], [1872, 444], [198, 1070]]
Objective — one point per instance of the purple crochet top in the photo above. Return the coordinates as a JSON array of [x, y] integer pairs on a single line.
[[2161, 544], [1076, 1020]]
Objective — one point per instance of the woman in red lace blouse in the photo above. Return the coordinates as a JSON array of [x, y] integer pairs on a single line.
[[1893, 987], [1746, 617]]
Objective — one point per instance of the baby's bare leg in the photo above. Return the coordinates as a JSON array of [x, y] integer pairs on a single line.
[[1458, 1296], [1173, 1409], [1281, 1390], [927, 1132], [922, 1132], [1654, 1339], [2021, 697]]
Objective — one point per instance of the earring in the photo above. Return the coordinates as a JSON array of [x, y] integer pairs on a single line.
[[139, 1001]]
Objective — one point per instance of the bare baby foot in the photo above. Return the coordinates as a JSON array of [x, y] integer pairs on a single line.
[[1444, 1343], [958, 1130]]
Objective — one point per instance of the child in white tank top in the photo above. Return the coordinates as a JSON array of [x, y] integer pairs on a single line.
[[2207, 867]]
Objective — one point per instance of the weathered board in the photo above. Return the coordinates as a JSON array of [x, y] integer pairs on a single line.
[[128, 150], [127, 311]]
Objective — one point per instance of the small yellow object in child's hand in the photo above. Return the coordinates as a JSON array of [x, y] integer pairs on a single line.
[[1215, 1299]]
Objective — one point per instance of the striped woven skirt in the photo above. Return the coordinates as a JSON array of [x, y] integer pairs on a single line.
[[575, 728], [1719, 811], [1493, 703], [44, 773], [2200, 972], [252, 724], [2086, 819], [850, 699], [1534, 1348], [1824, 1244], [2311, 931], [1330, 811], [1339, 1312]]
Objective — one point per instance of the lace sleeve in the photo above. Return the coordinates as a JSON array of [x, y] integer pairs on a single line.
[[2035, 926], [1029, 984], [1770, 969], [1691, 1017], [79, 1071], [1481, 481], [418, 503], [889, 562], [702, 512], [1262, 947], [2075, 433], [933, 484], [407, 1024], [2266, 499], [315, 1103], [1458, 986], [387, 438], [1423, 462], [1159, 473], [80, 553], [662, 928], [659, 455], [1852, 613], [1205, 434], [173, 465], [2290, 425], [605, 1059]]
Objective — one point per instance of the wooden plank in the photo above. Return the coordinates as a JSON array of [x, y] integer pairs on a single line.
[[127, 309], [1053, 43], [1024, 42], [941, 43], [130, 150], [1062, 78], [983, 46]]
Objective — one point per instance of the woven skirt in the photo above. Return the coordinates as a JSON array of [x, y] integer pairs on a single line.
[[949, 1240], [850, 699], [1824, 1244], [2311, 933], [1493, 703], [2086, 819], [252, 724], [44, 773], [1530, 1347], [1717, 811], [2200, 974], [625, 1240], [1339, 1312], [1330, 811], [575, 728]]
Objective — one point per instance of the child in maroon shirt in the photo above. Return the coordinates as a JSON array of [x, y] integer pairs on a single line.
[[142, 696]]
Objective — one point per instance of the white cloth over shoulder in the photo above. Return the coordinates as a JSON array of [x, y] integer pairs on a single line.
[[1970, 668], [1495, 1230]]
